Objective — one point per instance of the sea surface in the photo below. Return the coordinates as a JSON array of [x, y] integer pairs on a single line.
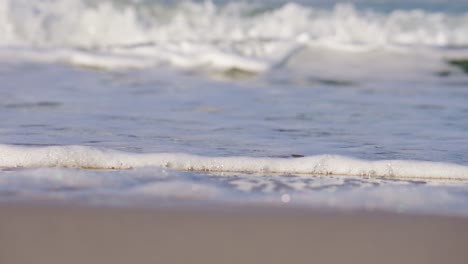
[[357, 105]]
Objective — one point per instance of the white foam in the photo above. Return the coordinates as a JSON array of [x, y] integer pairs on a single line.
[[93, 158], [235, 35]]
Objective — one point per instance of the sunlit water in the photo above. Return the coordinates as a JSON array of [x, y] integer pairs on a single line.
[[369, 82]]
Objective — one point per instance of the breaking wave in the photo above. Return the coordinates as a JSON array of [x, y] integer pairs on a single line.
[[250, 37]]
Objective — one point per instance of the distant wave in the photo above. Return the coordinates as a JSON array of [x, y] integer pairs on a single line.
[[116, 34], [93, 158]]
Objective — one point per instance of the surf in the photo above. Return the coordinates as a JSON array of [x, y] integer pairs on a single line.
[[192, 35]]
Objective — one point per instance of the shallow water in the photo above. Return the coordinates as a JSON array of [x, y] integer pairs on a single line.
[[323, 83]]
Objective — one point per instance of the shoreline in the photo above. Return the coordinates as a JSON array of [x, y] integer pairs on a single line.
[[61, 233]]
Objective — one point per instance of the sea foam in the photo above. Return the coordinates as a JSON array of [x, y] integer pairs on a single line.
[[94, 158], [140, 34]]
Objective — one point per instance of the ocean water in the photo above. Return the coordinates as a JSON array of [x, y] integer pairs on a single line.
[[316, 104]]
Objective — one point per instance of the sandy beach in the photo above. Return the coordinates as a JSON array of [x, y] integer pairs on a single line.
[[224, 131], [75, 234]]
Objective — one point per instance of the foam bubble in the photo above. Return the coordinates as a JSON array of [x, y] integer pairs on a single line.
[[93, 158]]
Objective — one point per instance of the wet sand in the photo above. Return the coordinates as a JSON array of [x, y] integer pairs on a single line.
[[74, 234]]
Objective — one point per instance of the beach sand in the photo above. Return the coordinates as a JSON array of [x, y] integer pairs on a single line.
[[76, 234]]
